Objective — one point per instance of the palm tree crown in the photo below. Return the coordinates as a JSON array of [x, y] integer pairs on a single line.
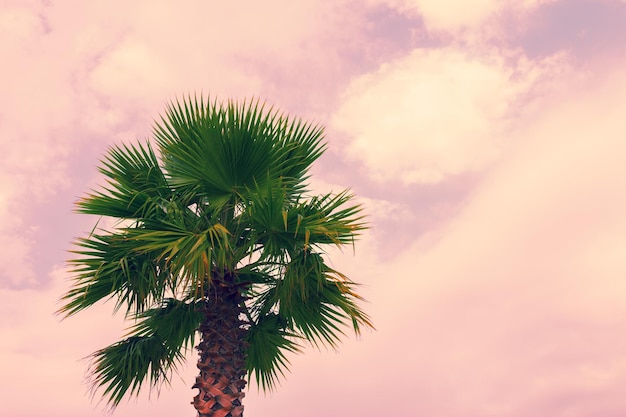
[[217, 234]]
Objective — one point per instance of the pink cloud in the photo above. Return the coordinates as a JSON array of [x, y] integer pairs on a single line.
[[496, 290], [461, 18]]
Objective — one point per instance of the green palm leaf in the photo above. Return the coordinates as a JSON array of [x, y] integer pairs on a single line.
[[219, 150], [137, 187], [269, 342], [190, 255], [153, 349], [316, 300], [125, 365], [175, 321], [110, 266]]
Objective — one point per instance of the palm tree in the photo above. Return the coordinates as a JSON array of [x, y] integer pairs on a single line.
[[216, 234]]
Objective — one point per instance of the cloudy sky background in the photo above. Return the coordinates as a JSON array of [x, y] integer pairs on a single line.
[[485, 138]]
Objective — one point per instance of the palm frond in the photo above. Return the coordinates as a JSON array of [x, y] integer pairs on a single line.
[[110, 266], [136, 187], [175, 321], [316, 301], [300, 145], [218, 150], [152, 351], [188, 255], [269, 342], [280, 226], [125, 365], [326, 219]]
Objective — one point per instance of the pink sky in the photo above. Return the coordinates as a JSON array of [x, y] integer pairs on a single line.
[[485, 138]]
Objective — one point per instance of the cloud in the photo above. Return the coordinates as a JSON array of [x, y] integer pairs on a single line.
[[573, 26], [433, 114], [511, 306], [515, 307], [81, 76], [451, 16]]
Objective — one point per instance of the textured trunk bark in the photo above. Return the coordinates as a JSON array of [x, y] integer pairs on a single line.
[[222, 352]]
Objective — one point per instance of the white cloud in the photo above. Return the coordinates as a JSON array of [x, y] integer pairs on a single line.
[[432, 114]]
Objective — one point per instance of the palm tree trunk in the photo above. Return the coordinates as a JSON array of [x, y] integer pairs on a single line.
[[222, 354]]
